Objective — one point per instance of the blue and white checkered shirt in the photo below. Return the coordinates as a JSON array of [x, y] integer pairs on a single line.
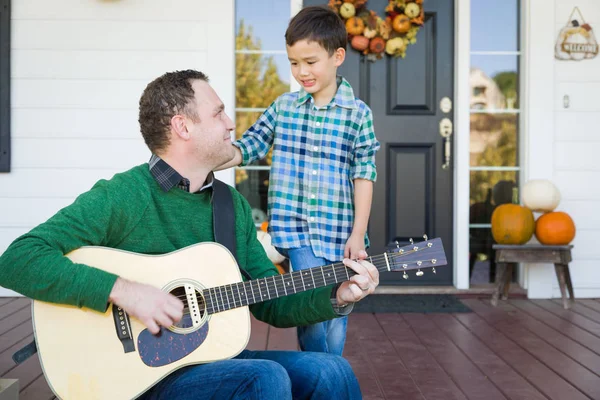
[[317, 153]]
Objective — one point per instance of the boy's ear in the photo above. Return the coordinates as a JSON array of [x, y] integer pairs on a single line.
[[179, 127], [340, 56]]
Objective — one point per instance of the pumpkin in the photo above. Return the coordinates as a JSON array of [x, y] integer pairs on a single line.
[[540, 195], [359, 43], [412, 10], [377, 45], [347, 10], [555, 228], [355, 26], [401, 23], [395, 46], [512, 224]]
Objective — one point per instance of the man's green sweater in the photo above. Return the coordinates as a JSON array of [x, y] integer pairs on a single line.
[[131, 212]]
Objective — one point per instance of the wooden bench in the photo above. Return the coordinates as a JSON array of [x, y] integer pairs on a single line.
[[508, 255]]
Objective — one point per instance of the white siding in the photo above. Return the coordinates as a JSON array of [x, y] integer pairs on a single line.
[[78, 70], [575, 141]]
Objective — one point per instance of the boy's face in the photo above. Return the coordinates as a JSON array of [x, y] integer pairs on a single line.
[[312, 66]]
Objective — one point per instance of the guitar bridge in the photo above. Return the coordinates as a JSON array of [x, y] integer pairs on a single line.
[[123, 326]]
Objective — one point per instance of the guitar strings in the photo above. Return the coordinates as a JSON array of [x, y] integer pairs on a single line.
[[281, 286], [336, 266]]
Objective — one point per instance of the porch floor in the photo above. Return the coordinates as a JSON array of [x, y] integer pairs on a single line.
[[520, 350]]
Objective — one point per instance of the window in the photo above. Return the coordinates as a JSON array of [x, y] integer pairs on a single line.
[[494, 151], [4, 85], [262, 74]]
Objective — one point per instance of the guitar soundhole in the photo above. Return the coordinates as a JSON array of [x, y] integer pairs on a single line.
[[193, 311]]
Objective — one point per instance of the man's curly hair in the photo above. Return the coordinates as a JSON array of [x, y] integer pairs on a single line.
[[163, 98]]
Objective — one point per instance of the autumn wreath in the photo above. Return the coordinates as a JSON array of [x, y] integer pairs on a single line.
[[373, 35]]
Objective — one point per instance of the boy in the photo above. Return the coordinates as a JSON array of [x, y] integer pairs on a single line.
[[323, 167]]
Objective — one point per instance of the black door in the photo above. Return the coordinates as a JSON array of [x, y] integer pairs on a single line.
[[413, 193]]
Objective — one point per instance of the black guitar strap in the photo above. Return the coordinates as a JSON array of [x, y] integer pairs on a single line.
[[224, 219], [224, 231]]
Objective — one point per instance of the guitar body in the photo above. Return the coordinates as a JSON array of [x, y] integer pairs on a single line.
[[81, 354]]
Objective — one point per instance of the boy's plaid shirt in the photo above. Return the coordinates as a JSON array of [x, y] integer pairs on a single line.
[[317, 153]]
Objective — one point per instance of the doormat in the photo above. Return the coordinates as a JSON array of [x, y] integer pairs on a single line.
[[411, 303]]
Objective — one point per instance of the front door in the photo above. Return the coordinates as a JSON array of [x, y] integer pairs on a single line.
[[413, 193]]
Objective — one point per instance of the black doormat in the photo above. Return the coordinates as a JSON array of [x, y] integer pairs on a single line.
[[411, 303]]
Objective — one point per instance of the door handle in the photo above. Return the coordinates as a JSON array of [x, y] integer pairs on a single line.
[[446, 132]]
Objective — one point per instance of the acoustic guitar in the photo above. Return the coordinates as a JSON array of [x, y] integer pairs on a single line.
[[86, 354]]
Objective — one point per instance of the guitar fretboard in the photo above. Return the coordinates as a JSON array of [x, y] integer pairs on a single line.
[[226, 297]]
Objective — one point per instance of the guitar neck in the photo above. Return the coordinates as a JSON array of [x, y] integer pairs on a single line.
[[223, 298]]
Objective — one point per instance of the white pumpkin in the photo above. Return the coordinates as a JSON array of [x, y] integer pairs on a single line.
[[265, 239], [540, 195]]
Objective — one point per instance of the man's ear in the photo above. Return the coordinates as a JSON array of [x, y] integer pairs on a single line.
[[340, 56], [179, 127]]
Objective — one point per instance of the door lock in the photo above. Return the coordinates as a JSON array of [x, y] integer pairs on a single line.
[[446, 132]]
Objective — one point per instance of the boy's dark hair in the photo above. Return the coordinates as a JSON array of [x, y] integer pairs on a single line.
[[318, 24], [163, 98]]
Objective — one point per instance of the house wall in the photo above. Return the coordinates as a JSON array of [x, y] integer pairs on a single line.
[[78, 70], [563, 144]]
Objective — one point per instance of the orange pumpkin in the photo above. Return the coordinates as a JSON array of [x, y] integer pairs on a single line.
[[401, 23], [555, 228], [377, 45], [355, 26], [360, 43], [512, 224]]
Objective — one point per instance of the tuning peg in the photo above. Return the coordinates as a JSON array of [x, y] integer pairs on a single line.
[[411, 241], [397, 244], [434, 271], [405, 275], [419, 273], [425, 237], [404, 266]]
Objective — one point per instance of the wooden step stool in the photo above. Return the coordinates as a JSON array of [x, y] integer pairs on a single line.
[[508, 255]]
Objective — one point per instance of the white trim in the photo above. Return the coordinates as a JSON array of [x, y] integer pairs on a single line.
[[462, 65], [537, 120], [502, 111], [495, 168], [280, 52], [495, 53]]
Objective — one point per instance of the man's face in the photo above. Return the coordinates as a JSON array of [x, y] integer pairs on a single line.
[[211, 138]]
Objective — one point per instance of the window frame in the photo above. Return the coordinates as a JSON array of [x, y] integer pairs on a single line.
[[5, 22]]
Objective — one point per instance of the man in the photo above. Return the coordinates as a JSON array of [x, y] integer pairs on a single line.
[[163, 206]]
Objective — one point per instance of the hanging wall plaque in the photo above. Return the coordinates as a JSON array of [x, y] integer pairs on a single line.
[[576, 41]]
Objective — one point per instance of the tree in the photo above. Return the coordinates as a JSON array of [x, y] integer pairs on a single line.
[[502, 152], [507, 82]]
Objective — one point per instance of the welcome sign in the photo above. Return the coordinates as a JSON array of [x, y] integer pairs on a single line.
[[576, 41]]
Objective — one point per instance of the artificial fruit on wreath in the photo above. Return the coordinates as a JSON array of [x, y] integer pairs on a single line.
[[355, 26], [412, 10], [347, 10], [395, 46], [360, 43], [401, 23]]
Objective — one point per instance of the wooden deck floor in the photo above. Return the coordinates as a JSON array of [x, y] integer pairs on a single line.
[[520, 350]]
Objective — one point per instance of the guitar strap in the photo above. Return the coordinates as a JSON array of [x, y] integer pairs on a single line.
[[224, 219], [224, 231]]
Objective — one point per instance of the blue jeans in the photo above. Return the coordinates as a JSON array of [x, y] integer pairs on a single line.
[[328, 336], [279, 375]]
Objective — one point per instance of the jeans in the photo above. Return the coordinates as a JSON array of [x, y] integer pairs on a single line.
[[277, 375], [328, 336]]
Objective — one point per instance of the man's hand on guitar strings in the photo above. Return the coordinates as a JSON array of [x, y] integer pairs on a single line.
[[150, 305], [361, 285]]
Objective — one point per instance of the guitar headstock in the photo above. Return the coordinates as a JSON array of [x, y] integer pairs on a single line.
[[426, 254]]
